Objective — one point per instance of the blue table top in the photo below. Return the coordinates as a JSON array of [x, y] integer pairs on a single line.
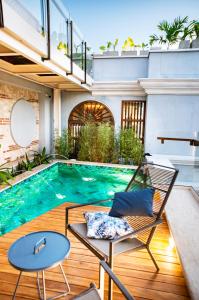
[[39, 251]]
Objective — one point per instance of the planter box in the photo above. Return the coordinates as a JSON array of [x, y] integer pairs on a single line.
[[111, 53], [184, 44], [195, 43], [97, 55], [129, 53], [155, 48], [144, 52]]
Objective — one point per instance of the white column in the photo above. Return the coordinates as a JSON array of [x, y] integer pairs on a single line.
[[57, 111], [45, 120]]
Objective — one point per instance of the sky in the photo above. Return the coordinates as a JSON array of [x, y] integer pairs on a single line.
[[104, 20]]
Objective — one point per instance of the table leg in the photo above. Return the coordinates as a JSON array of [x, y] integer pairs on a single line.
[[44, 285], [65, 279], [13, 297]]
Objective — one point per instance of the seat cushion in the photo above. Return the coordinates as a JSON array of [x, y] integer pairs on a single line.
[[101, 226], [102, 246], [135, 203]]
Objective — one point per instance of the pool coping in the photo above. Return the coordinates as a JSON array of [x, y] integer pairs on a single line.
[[28, 174]]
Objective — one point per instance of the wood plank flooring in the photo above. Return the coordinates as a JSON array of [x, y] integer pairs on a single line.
[[135, 270]]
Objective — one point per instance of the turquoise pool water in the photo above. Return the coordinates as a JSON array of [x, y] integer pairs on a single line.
[[55, 185]]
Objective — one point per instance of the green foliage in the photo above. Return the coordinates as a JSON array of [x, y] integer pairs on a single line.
[[143, 46], [108, 45], [128, 44], [105, 143], [115, 44], [96, 142], [63, 145], [170, 31], [63, 47], [194, 25], [41, 157], [99, 143], [102, 48], [5, 176], [131, 149], [187, 32]]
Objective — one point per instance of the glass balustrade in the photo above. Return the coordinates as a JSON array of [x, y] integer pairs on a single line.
[[32, 11], [47, 26], [89, 60], [78, 48], [59, 31]]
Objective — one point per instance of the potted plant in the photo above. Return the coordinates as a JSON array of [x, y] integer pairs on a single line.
[[143, 50], [128, 47], [63, 48], [108, 48], [195, 42], [102, 49], [170, 32], [115, 52], [184, 41]]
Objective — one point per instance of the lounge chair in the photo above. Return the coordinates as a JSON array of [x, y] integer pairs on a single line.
[[160, 178], [93, 293]]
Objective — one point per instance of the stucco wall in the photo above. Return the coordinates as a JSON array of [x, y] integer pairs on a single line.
[[181, 64], [70, 100], [12, 89], [8, 97], [120, 68], [171, 116]]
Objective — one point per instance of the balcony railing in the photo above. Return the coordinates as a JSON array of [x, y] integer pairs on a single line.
[[46, 26]]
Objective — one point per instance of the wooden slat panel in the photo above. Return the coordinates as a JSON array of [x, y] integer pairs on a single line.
[[133, 116]]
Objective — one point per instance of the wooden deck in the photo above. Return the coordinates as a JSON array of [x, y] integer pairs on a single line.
[[135, 270]]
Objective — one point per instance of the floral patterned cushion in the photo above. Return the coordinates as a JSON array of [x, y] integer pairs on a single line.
[[101, 226]]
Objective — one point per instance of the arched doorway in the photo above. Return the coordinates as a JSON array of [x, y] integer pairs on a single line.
[[87, 111]]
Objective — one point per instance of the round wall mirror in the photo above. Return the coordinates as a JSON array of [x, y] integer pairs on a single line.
[[23, 123]]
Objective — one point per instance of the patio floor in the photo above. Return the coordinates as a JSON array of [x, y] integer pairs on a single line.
[[135, 270]]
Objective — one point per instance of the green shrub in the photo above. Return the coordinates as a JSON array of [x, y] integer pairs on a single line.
[[41, 157], [96, 143], [63, 145], [131, 148], [5, 176]]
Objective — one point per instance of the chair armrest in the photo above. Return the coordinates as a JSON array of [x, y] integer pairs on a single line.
[[87, 204], [118, 283], [129, 235]]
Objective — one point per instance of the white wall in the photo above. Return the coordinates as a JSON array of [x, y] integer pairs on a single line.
[[171, 116], [70, 100], [46, 122], [120, 68], [181, 64]]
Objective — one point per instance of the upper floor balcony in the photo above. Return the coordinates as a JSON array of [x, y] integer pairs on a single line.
[[40, 41]]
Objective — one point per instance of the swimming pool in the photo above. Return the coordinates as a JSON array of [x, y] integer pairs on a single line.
[[55, 185]]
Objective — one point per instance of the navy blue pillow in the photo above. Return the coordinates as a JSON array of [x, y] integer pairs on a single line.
[[136, 203]]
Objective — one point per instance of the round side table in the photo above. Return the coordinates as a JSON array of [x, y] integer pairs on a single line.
[[37, 252]]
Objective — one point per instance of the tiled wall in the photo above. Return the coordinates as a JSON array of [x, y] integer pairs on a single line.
[[9, 94]]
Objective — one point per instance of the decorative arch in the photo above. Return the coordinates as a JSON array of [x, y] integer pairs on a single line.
[[92, 111]]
